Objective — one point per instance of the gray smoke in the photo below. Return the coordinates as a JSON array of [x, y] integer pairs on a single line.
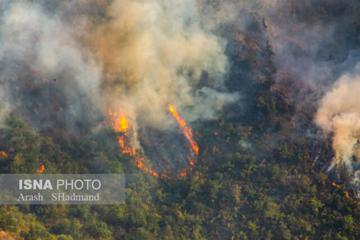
[[45, 73], [65, 64]]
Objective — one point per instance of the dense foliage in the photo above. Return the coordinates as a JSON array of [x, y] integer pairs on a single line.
[[248, 184], [257, 177]]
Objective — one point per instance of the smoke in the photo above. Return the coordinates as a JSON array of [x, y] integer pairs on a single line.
[[45, 74], [339, 114], [315, 47], [64, 64], [316, 44], [156, 52]]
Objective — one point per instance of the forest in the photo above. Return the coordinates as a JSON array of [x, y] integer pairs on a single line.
[[262, 169]]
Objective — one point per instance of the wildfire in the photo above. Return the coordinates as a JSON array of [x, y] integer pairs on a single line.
[[345, 192], [140, 165], [122, 126], [3, 154], [187, 131], [41, 169]]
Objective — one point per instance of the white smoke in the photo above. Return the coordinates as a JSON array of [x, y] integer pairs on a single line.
[[138, 58], [37, 48], [157, 52], [339, 115]]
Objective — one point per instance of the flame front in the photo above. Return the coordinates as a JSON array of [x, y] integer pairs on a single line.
[[186, 130], [121, 125], [188, 133]]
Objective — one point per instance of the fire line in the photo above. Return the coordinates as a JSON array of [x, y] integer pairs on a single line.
[[121, 125]]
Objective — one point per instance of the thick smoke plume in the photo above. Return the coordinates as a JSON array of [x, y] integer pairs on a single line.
[[316, 48], [67, 64], [130, 56], [339, 114], [156, 52]]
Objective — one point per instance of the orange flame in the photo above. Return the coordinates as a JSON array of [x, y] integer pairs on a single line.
[[185, 129], [3, 154], [335, 185], [140, 165], [183, 172], [121, 125], [41, 169], [120, 122]]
